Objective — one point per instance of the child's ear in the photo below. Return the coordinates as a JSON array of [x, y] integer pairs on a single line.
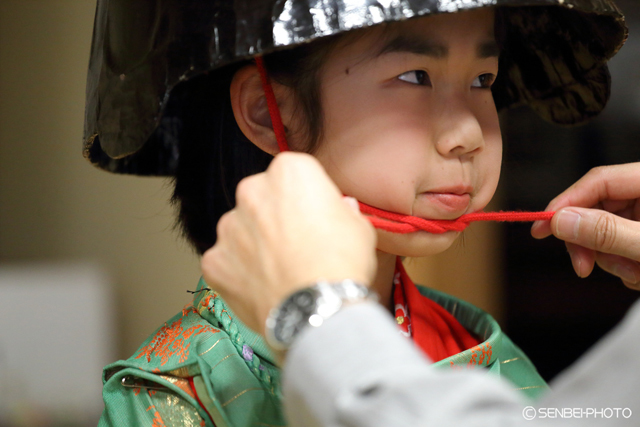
[[250, 108]]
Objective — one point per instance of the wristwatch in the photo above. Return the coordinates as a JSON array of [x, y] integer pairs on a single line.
[[311, 307]]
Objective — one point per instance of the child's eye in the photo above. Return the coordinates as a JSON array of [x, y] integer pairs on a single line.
[[484, 81], [418, 77]]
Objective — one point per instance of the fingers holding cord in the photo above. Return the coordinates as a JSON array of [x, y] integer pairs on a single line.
[[607, 187], [598, 236]]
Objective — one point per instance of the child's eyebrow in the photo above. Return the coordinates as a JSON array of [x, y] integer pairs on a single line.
[[488, 49], [434, 49], [418, 46]]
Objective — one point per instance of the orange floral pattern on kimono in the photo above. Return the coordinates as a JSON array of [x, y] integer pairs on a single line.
[[481, 354], [157, 420], [169, 341]]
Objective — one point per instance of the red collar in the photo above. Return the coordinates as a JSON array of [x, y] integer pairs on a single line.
[[432, 328]]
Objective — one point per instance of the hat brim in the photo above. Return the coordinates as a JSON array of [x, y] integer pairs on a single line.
[[554, 59]]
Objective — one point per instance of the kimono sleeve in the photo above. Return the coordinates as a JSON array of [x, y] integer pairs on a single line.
[[153, 406]]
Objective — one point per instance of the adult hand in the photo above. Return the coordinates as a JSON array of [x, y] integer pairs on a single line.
[[290, 227], [597, 218]]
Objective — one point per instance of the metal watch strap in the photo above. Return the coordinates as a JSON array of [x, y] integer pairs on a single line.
[[285, 322]]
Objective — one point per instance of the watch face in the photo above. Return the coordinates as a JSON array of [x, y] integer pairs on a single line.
[[294, 315]]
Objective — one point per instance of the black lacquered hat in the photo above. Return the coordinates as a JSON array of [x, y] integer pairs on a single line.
[[554, 59]]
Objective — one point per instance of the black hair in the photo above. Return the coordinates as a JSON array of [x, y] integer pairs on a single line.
[[215, 155]]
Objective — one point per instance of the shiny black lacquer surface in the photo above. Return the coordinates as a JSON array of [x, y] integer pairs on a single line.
[[554, 59]]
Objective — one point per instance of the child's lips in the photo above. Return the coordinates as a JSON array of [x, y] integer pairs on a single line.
[[449, 203]]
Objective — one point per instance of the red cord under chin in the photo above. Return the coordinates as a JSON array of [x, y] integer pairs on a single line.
[[391, 221], [403, 224]]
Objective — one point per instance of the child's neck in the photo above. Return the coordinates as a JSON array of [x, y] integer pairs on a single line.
[[383, 282]]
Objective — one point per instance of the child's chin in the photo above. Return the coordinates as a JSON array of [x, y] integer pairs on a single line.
[[418, 244]]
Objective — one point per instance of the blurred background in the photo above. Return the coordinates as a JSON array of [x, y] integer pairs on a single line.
[[90, 263], [59, 213]]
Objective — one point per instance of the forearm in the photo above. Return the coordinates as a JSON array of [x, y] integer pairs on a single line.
[[356, 370]]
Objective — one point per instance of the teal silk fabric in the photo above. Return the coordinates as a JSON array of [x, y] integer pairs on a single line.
[[233, 372]]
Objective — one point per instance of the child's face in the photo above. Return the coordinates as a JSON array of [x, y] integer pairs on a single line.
[[414, 129]]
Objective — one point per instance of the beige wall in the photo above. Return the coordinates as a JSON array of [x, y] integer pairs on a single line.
[[55, 206]]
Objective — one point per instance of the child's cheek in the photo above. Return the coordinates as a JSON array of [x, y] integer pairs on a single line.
[[377, 176], [491, 166]]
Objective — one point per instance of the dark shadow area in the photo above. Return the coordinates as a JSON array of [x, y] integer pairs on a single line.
[[550, 313]]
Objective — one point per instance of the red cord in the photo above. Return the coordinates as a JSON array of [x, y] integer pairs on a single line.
[[403, 224], [274, 111], [390, 221]]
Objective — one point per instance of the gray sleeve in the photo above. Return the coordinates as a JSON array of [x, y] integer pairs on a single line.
[[356, 370], [606, 378]]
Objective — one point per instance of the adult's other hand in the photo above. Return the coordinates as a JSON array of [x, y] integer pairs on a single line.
[[598, 218], [290, 227]]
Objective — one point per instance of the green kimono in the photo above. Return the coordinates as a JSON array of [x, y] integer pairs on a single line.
[[205, 368]]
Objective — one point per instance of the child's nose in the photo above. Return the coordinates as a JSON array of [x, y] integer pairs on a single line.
[[459, 132]]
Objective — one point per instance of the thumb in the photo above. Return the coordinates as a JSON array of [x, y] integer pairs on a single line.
[[598, 230]]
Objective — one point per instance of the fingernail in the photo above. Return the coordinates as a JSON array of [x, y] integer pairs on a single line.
[[575, 262], [579, 269], [625, 273], [352, 202], [568, 224]]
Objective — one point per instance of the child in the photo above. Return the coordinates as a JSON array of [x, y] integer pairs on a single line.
[[402, 117]]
